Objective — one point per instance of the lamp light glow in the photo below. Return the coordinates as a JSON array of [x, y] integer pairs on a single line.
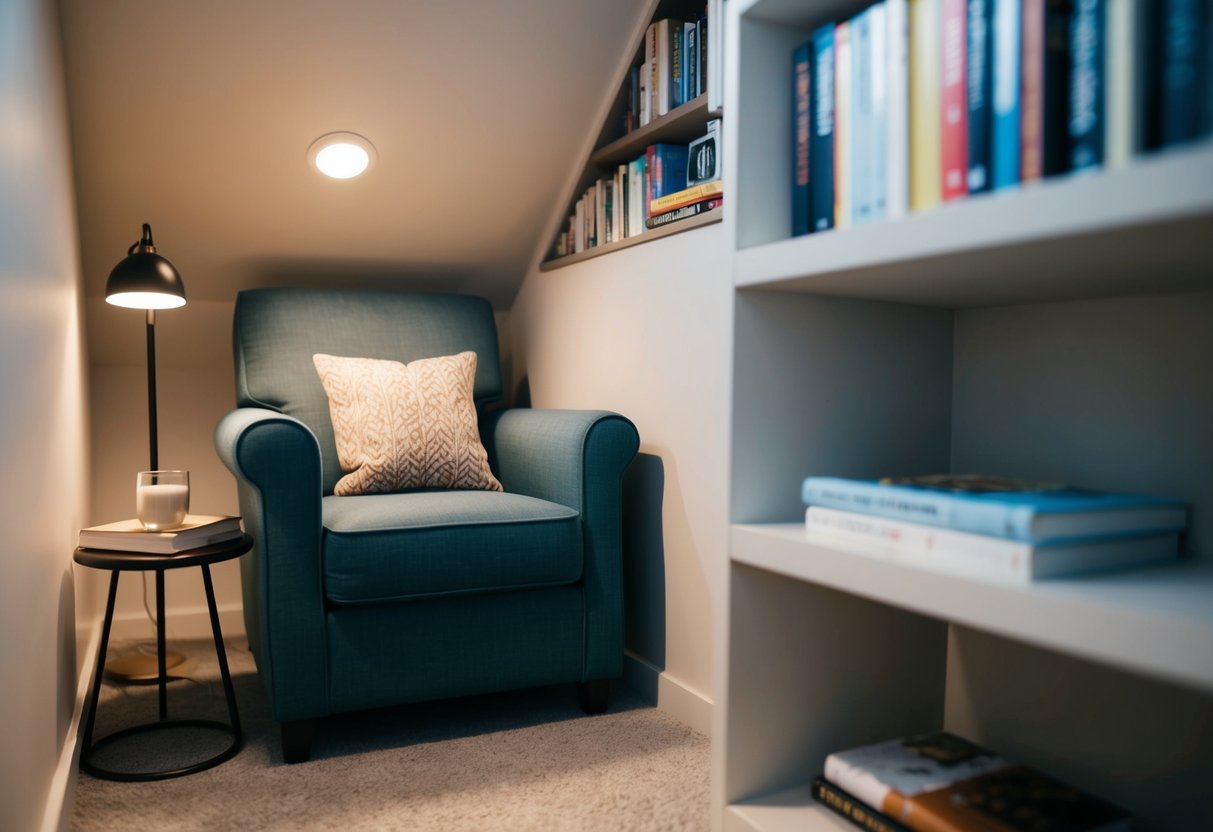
[[341, 155], [145, 300]]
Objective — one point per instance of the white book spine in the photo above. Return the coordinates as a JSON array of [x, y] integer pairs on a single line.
[[897, 108], [878, 148], [844, 203], [1120, 67]]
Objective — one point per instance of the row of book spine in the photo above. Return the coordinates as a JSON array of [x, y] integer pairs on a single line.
[[911, 103], [680, 62], [616, 207]]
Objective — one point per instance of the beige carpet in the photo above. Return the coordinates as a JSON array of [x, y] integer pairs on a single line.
[[528, 760]]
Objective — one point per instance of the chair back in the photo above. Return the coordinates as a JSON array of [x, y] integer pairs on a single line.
[[277, 331]]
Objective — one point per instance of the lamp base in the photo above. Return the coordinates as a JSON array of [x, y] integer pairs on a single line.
[[132, 669]]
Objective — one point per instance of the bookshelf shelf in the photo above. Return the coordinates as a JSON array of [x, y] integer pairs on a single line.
[[1141, 229], [648, 236], [679, 126], [1058, 331], [1154, 622]]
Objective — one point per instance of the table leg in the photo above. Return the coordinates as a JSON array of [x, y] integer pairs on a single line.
[[160, 652], [105, 640], [228, 689]]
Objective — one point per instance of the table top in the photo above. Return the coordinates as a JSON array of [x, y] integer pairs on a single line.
[[120, 560]]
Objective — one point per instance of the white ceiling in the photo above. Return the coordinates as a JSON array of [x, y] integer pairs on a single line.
[[196, 117]]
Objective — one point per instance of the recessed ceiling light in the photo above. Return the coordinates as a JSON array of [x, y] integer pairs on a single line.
[[341, 155]]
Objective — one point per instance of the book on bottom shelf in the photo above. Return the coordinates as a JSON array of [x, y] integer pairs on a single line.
[[853, 809], [999, 506], [130, 536], [981, 556], [694, 209], [943, 783]]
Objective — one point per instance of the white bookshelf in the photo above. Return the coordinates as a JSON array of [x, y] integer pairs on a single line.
[[1062, 331]]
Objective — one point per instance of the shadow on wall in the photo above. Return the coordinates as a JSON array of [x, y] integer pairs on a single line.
[[644, 562]]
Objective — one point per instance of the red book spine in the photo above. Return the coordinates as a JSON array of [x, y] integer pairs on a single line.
[[1032, 93], [954, 108]]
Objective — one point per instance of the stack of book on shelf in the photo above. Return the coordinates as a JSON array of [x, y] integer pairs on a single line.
[[129, 535], [992, 528], [943, 783], [668, 182], [911, 103]]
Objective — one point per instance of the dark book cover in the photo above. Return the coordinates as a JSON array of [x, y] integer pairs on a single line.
[[1044, 97], [1085, 131], [852, 808], [801, 120], [980, 71], [821, 131], [703, 53], [677, 62], [1056, 86], [1183, 49]]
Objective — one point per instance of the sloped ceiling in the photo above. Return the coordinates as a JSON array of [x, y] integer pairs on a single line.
[[196, 117]]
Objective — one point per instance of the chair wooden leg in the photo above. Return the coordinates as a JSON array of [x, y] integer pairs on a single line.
[[593, 695], [297, 740]]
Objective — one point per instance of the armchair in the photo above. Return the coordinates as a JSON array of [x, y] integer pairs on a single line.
[[373, 600]]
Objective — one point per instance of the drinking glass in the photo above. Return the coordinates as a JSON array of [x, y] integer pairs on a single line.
[[162, 499]]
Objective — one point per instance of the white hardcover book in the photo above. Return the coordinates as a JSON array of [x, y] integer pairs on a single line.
[[661, 75], [129, 535], [844, 200], [897, 108], [579, 226], [878, 147], [715, 55], [980, 556]]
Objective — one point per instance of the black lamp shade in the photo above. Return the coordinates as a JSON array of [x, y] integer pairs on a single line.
[[145, 280]]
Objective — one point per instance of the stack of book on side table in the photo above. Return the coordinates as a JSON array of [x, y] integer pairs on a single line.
[[990, 527], [129, 535], [943, 783]]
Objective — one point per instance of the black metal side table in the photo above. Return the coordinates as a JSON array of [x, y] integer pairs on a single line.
[[118, 562]]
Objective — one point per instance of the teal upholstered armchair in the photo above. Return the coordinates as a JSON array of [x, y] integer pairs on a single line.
[[365, 601]]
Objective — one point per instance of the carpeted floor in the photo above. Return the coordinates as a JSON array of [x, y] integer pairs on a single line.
[[527, 760]]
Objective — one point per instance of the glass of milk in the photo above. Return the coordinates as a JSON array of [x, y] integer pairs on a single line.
[[162, 499]]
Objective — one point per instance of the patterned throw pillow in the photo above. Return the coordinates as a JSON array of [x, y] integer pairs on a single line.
[[401, 426]]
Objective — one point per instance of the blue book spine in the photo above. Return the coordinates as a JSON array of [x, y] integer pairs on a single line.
[[1035, 517], [1085, 129], [1182, 35], [674, 79], [979, 68], [801, 132], [670, 161], [821, 130], [692, 55], [1008, 26]]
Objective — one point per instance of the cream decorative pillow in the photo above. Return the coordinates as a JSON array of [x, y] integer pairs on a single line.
[[401, 426]]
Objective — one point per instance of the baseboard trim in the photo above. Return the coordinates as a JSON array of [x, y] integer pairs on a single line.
[[669, 694], [187, 623], [61, 797]]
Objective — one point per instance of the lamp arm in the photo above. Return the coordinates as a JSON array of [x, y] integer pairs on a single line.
[[151, 389]]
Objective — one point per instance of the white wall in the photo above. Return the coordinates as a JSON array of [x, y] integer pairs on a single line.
[[646, 331], [43, 482]]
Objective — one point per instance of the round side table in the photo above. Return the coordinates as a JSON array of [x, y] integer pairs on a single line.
[[118, 562]]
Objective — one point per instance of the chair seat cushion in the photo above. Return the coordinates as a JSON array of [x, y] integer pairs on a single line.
[[394, 547]]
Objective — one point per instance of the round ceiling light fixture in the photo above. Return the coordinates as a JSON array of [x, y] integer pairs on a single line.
[[341, 155]]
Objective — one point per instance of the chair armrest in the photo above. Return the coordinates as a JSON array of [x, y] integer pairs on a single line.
[[276, 460], [577, 458]]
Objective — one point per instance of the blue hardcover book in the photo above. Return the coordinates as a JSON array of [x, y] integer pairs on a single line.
[[1008, 24], [1035, 512], [801, 133], [1182, 44], [878, 142], [980, 87], [821, 130], [1085, 127], [677, 89], [669, 169]]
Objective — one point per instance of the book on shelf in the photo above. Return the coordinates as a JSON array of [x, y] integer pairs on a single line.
[[954, 126], [665, 169], [843, 803], [686, 196], [1001, 507], [1004, 132], [694, 209], [979, 73], [704, 157], [802, 208], [941, 783], [981, 556], [925, 174], [1085, 119], [897, 108], [844, 208], [821, 130], [1183, 52], [130, 536]]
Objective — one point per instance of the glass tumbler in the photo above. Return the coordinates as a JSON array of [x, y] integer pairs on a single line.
[[162, 499]]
